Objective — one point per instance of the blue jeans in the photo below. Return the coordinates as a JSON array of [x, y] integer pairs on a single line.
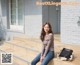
[[49, 57]]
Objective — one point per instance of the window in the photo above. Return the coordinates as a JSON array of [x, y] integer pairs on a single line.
[[16, 15]]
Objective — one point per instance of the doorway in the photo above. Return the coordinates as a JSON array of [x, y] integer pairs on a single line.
[[52, 14]]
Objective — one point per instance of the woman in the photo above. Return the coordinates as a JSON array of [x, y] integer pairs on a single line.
[[47, 39]]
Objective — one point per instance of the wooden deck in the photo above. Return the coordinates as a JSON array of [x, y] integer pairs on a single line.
[[24, 49]]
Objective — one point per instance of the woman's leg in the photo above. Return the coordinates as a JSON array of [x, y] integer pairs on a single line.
[[49, 57], [36, 60]]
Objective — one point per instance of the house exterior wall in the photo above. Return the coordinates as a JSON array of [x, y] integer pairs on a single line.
[[70, 30], [4, 12], [33, 18], [0, 11]]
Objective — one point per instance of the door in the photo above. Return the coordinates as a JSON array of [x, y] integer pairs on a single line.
[[52, 14], [54, 18]]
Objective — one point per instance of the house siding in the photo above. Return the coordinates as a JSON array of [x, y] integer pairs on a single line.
[[33, 18]]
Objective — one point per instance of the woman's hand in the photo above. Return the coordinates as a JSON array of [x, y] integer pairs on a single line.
[[42, 58]]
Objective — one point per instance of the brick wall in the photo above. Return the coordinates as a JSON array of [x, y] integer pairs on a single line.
[[70, 29]]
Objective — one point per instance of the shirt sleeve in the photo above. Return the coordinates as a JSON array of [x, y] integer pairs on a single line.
[[50, 39], [42, 50]]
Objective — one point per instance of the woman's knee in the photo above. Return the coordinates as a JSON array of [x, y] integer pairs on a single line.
[[44, 63], [33, 63]]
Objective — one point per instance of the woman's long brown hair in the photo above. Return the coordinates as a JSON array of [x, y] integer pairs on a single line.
[[43, 32]]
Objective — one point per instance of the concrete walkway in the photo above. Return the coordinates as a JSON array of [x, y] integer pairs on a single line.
[[25, 50]]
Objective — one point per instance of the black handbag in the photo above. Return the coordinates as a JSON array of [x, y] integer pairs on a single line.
[[66, 53]]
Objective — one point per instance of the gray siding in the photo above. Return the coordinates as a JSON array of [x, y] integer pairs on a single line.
[[4, 12], [33, 18]]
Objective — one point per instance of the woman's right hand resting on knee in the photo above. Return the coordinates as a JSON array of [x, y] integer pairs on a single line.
[[42, 58]]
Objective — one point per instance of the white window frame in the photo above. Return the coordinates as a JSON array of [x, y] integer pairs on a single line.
[[16, 28]]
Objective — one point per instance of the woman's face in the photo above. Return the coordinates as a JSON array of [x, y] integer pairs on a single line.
[[46, 28]]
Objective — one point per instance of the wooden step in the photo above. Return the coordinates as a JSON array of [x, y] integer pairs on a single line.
[[16, 60], [25, 49], [18, 51], [22, 52], [28, 44]]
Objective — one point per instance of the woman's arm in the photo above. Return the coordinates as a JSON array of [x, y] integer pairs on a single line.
[[42, 50], [50, 39]]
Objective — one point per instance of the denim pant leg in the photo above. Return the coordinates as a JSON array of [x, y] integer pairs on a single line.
[[48, 58], [36, 60]]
